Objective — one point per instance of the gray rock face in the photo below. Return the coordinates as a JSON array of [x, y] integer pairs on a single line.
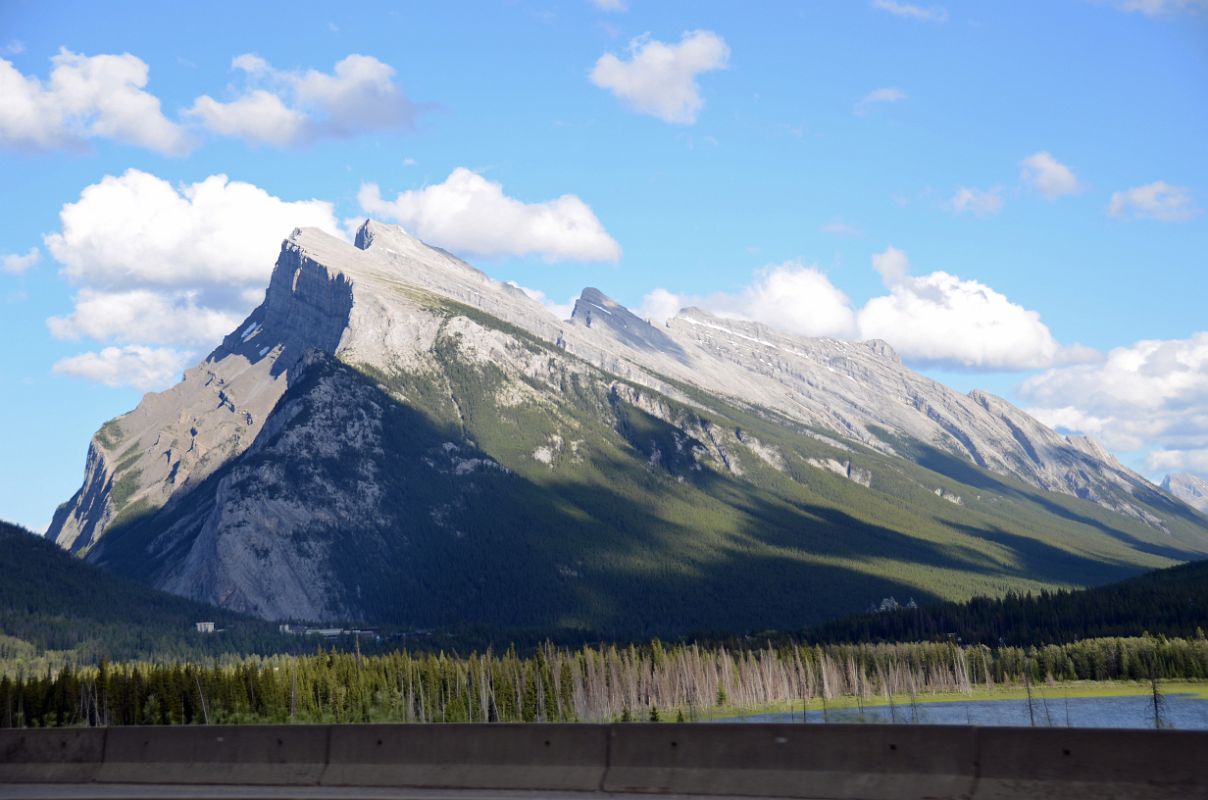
[[1191, 489], [353, 302], [261, 478], [175, 439]]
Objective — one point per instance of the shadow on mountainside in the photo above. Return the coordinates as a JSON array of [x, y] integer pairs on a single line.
[[423, 530]]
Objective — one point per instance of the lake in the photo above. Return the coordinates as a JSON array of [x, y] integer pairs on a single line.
[[1180, 711]]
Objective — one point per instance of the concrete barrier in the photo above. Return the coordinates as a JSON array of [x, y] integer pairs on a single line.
[[852, 762], [833, 761], [1102, 764], [56, 755], [285, 755], [548, 757]]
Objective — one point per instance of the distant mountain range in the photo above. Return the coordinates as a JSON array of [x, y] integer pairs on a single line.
[[394, 437], [1191, 489]]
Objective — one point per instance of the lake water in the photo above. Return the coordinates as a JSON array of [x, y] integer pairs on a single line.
[[1180, 711]]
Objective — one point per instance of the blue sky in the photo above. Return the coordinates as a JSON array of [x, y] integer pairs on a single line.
[[1012, 194]]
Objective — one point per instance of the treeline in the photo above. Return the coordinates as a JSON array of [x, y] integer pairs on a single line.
[[1172, 602], [588, 684], [51, 601]]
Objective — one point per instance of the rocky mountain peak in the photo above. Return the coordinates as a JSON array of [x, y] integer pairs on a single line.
[[1191, 489], [883, 349], [391, 419], [371, 232]]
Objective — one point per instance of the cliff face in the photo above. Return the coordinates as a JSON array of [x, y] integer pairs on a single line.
[[394, 436], [1191, 489], [173, 440]]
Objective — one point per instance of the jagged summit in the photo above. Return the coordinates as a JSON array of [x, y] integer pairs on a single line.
[[1191, 489], [392, 434]]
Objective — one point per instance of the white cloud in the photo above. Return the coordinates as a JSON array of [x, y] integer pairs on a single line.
[[911, 11], [259, 116], [147, 315], [85, 97], [1158, 200], [160, 264], [283, 107], [978, 202], [879, 97], [945, 320], [1150, 395], [1047, 175], [892, 265], [14, 47], [1167, 461], [792, 297], [661, 305], [470, 214], [144, 368], [1157, 8], [16, 264], [659, 78], [139, 231], [610, 5], [936, 319]]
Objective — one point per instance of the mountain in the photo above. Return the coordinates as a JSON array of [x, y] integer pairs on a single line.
[[1191, 489], [52, 601], [1167, 602], [392, 436]]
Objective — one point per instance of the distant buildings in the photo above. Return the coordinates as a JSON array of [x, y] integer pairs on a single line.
[[205, 627], [890, 604]]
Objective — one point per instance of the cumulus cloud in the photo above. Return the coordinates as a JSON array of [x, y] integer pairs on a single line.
[[1167, 461], [85, 97], [936, 319], [156, 264], [16, 264], [138, 230], [1150, 395], [170, 317], [879, 97], [661, 305], [941, 319], [290, 107], [1158, 200], [469, 214], [1047, 175], [911, 11], [659, 79], [144, 368], [259, 116], [792, 296], [978, 202]]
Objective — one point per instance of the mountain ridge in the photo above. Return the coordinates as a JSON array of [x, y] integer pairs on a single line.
[[419, 386], [1191, 489]]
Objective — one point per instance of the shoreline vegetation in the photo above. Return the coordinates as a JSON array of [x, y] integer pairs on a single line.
[[608, 683]]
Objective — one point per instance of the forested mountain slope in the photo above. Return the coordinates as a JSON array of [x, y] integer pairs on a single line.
[[1170, 602]]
